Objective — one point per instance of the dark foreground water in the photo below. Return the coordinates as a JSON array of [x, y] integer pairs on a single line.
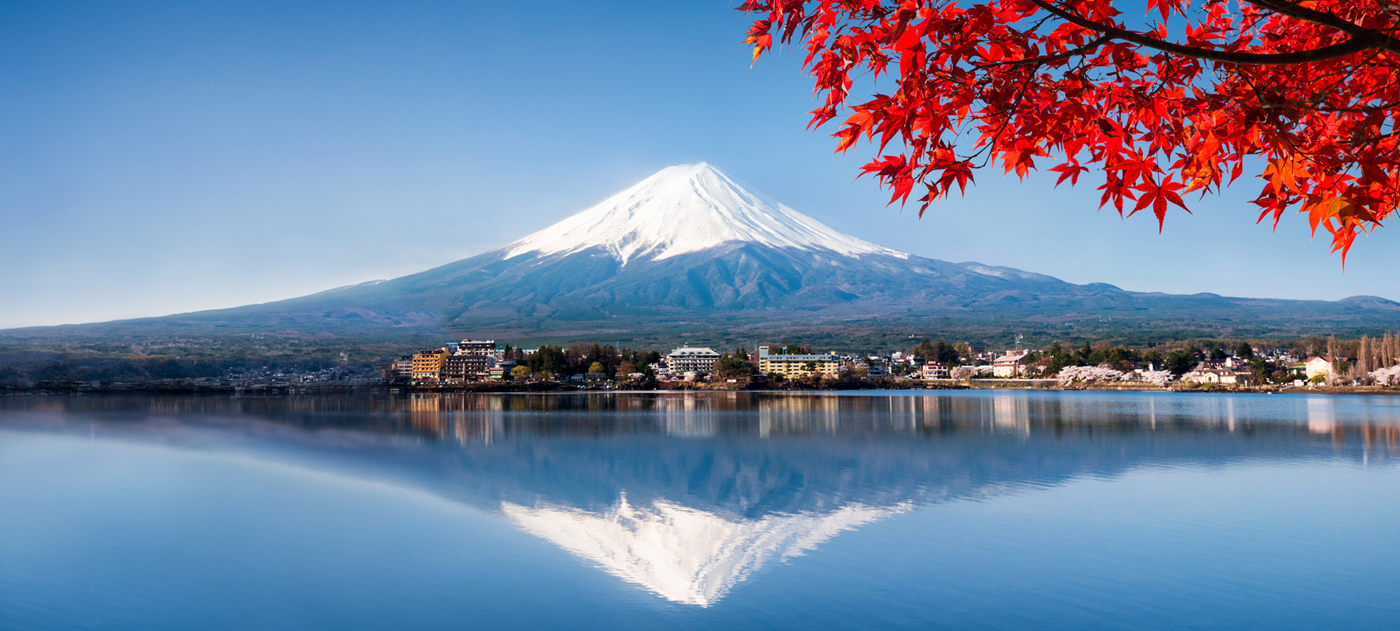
[[692, 511]]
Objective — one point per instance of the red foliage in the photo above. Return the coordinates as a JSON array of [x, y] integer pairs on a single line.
[[1306, 90]]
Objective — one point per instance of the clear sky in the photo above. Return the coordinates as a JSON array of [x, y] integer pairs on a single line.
[[159, 157]]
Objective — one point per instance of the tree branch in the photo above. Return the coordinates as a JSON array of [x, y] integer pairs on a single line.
[[1322, 18], [1353, 45], [1046, 59]]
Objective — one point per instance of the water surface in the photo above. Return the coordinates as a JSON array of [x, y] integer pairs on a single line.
[[967, 510]]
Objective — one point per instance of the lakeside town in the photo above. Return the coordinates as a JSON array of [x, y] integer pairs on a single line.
[[1312, 362]]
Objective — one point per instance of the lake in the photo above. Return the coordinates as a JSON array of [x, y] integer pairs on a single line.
[[918, 510]]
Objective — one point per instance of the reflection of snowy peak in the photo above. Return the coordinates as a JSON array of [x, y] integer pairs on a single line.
[[687, 208], [682, 554]]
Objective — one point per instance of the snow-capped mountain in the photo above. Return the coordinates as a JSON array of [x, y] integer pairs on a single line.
[[684, 209], [688, 241], [689, 247]]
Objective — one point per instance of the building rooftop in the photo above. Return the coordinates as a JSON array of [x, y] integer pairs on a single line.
[[697, 351]]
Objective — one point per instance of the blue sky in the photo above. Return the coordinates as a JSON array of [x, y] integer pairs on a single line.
[[166, 157]]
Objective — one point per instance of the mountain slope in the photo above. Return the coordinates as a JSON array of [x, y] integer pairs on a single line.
[[689, 238]]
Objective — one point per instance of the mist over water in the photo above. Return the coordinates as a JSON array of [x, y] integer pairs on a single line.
[[963, 510]]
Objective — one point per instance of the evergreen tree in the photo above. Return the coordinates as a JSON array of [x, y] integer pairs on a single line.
[[1181, 361]]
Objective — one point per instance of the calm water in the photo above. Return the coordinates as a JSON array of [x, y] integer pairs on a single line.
[[682, 511]]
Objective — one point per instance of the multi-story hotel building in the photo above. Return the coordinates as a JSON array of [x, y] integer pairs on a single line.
[[827, 365], [686, 359], [482, 348], [464, 368], [427, 365]]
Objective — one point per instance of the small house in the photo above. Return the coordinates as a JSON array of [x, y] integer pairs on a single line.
[[1012, 364]]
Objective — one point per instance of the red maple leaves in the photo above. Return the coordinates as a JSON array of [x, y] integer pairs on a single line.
[[1304, 93]]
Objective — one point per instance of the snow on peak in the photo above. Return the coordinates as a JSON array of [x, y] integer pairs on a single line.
[[682, 554], [687, 208]]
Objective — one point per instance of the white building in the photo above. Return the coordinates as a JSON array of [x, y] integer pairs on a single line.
[[686, 359], [934, 371], [1318, 366], [1223, 376], [482, 348], [1012, 364]]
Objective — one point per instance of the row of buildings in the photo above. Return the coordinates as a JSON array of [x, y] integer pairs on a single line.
[[471, 360], [696, 362], [462, 362], [481, 360], [691, 363]]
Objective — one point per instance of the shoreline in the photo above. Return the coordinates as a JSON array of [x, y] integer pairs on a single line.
[[1044, 385]]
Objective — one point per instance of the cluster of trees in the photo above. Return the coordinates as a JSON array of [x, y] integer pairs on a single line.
[[579, 358], [1358, 359], [736, 365], [1183, 360], [1374, 354], [1370, 355], [1055, 358], [935, 352], [19, 375], [1367, 359], [940, 353], [1177, 361], [1087, 374]]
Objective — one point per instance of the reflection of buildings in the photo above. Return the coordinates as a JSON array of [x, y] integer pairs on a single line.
[[463, 419], [1320, 419], [1011, 412], [1369, 422], [682, 554], [1372, 434], [689, 417], [798, 415]]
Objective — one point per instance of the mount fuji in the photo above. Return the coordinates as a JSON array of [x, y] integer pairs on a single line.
[[689, 250], [686, 209], [687, 243]]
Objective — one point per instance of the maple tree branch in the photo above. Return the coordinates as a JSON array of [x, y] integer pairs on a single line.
[[1048, 59], [1357, 43], [1010, 115], [1323, 18]]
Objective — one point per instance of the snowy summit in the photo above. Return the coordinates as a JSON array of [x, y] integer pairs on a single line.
[[688, 208]]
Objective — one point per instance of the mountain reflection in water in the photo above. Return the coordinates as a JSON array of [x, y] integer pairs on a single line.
[[688, 494]]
